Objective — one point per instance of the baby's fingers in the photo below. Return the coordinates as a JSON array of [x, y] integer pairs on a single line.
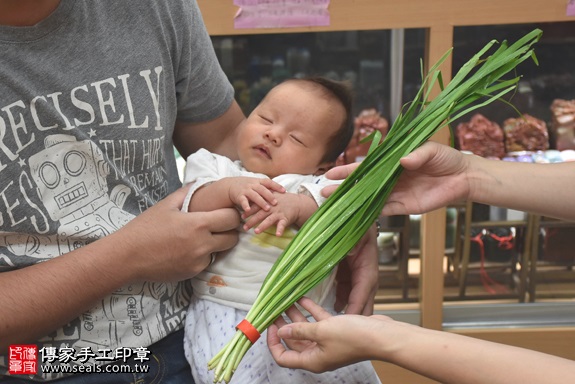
[[244, 203], [252, 210], [273, 186], [280, 227], [261, 197], [255, 219], [268, 222]]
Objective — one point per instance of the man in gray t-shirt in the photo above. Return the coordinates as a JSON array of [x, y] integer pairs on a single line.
[[91, 97], [94, 251]]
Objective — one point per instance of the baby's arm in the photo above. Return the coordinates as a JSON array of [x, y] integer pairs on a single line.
[[230, 192], [291, 209]]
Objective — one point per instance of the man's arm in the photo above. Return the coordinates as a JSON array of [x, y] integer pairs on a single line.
[[170, 246], [217, 135]]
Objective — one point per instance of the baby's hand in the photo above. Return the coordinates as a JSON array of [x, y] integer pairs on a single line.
[[245, 191], [287, 211]]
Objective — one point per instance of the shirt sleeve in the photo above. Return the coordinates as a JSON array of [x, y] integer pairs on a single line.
[[202, 167], [314, 187], [202, 88]]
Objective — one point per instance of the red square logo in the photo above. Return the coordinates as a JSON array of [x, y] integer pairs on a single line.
[[23, 359]]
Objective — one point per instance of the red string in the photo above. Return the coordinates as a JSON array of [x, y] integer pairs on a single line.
[[489, 284], [503, 242]]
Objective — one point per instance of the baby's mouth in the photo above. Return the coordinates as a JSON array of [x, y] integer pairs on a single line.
[[262, 149]]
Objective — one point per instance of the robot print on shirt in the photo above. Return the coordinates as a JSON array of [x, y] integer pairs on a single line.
[[70, 178]]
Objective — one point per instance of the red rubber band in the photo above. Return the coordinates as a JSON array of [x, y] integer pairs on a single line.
[[249, 330]]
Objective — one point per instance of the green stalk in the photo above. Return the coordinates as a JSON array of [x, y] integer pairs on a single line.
[[328, 236]]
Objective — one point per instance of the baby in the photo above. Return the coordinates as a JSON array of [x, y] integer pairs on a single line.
[[284, 146]]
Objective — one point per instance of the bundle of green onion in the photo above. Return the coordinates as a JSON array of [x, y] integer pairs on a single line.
[[331, 233]]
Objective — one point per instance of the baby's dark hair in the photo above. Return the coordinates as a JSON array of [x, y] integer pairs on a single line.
[[341, 92]]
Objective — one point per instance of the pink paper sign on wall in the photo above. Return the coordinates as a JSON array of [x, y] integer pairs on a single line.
[[571, 8], [281, 13]]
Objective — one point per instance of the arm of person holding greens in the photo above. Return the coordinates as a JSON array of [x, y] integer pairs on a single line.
[[436, 175], [335, 341]]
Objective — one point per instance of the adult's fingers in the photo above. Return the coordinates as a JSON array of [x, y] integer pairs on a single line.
[[298, 331], [295, 314], [222, 241], [357, 278], [361, 299], [274, 341], [421, 155], [341, 172], [221, 220], [280, 322], [222, 225], [315, 310], [284, 357], [337, 173], [327, 191]]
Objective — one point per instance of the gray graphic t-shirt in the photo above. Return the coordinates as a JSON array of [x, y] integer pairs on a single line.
[[88, 101]]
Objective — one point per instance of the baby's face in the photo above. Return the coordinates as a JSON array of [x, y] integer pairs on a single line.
[[288, 131]]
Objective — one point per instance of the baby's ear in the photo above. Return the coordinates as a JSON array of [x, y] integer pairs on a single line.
[[324, 167]]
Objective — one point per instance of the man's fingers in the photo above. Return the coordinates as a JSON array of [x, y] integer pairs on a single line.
[[298, 331], [368, 309], [280, 322], [222, 224], [223, 241], [221, 220], [360, 307], [273, 339], [392, 208], [275, 345]]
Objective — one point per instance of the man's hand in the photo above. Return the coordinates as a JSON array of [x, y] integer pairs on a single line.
[[358, 277], [173, 245], [161, 244]]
